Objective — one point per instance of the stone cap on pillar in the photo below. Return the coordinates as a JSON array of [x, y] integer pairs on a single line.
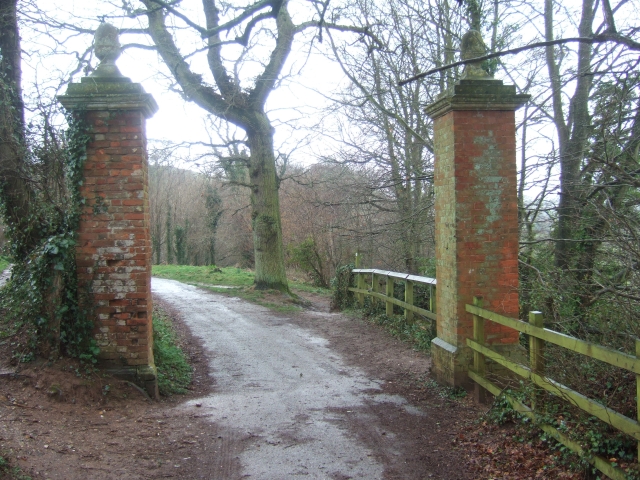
[[106, 88], [477, 94]]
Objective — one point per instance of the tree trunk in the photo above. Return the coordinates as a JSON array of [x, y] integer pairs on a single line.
[[572, 134], [265, 215], [16, 193], [169, 233], [244, 107]]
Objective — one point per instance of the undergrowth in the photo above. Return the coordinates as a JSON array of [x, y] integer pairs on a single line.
[[174, 371], [593, 435], [341, 297], [41, 298], [4, 263], [10, 472], [417, 332]]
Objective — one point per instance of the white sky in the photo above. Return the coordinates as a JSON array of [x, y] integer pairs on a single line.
[[178, 120]]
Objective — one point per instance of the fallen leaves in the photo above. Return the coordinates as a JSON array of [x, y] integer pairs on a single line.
[[493, 453]]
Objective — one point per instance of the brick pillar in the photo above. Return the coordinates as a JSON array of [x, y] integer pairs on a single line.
[[476, 218], [113, 254]]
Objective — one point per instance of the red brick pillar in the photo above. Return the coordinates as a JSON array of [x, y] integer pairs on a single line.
[[476, 218], [113, 254]]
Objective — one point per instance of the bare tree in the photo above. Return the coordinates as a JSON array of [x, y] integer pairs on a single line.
[[387, 129], [242, 105]]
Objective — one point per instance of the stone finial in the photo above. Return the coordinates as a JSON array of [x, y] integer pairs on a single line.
[[107, 49], [472, 46]]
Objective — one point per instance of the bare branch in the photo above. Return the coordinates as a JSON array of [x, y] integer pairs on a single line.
[[247, 13], [181, 16], [601, 38]]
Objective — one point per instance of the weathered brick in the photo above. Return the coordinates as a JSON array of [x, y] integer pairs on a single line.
[[113, 254], [476, 224]]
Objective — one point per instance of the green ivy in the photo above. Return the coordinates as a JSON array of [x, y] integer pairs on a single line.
[[595, 437], [43, 289], [341, 297]]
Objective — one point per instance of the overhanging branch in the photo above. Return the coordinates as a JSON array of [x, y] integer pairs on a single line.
[[601, 38]]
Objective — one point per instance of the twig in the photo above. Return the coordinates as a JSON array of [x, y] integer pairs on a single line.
[[18, 405]]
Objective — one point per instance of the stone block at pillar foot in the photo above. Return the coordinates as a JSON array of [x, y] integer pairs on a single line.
[[450, 364]]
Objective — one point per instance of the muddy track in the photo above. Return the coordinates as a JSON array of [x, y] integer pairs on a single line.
[[310, 394], [300, 397]]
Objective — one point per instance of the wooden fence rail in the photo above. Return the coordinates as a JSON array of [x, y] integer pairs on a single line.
[[361, 290], [538, 335]]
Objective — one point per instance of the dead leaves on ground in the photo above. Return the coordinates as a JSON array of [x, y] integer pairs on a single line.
[[493, 453]]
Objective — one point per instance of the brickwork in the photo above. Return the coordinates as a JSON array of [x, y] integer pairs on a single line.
[[476, 218], [114, 254]]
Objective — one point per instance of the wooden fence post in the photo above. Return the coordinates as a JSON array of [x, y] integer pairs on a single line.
[[359, 281], [479, 366], [432, 298], [375, 287], [389, 293], [536, 356], [638, 390], [408, 298]]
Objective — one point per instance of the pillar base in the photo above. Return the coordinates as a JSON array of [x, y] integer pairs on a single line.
[[450, 364], [144, 376]]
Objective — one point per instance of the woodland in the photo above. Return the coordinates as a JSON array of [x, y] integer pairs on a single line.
[[352, 174]]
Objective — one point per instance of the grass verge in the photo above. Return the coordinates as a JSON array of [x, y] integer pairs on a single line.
[[209, 275], [174, 371], [272, 299]]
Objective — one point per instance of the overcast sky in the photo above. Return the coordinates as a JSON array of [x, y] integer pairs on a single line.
[[46, 64], [293, 108]]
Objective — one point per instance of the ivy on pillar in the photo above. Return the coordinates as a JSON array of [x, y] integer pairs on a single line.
[[113, 254], [476, 212]]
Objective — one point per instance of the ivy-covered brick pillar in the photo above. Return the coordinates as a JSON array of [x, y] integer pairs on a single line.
[[113, 254], [476, 217]]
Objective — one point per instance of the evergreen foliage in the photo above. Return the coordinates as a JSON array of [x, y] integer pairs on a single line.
[[43, 289], [341, 297]]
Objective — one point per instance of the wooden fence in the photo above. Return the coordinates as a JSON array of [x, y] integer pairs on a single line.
[[538, 335], [390, 278], [369, 282]]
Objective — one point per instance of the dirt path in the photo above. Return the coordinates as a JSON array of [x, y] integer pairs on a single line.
[[309, 411], [275, 396]]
